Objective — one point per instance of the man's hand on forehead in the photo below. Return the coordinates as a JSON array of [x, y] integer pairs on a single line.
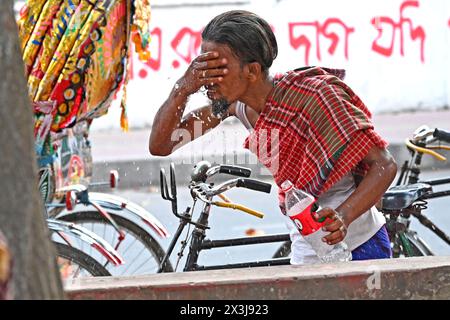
[[208, 55], [210, 60], [206, 69]]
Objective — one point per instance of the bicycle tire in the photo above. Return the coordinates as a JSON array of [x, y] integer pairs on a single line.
[[88, 263], [147, 241], [283, 251]]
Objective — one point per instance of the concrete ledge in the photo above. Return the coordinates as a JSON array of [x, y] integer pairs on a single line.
[[407, 278], [143, 173]]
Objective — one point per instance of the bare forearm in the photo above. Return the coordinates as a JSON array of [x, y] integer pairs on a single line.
[[206, 69], [370, 190], [167, 119], [366, 195]]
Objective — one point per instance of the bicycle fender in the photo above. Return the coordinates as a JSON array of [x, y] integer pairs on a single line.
[[122, 207], [88, 237]]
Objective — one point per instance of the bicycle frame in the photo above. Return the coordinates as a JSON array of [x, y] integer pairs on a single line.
[[199, 241]]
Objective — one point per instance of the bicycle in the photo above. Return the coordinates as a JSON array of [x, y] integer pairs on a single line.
[[129, 228], [121, 222], [66, 236], [408, 198], [410, 194], [204, 192]]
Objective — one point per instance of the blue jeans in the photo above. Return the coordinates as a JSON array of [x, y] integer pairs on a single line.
[[377, 247]]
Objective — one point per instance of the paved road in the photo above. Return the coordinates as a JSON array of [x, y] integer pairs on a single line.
[[228, 223]]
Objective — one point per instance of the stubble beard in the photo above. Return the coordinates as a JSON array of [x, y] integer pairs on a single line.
[[220, 107]]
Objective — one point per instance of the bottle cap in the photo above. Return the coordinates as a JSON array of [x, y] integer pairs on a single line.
[[287, 185]]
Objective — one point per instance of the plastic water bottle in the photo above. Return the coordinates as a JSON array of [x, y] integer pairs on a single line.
[[300, 207]]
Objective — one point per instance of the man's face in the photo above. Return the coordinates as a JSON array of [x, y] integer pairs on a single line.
[[233, 85]]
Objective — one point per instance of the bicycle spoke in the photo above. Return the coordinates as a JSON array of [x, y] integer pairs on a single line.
[[142, 265], [142, 250], [77, 271], [129, 245]]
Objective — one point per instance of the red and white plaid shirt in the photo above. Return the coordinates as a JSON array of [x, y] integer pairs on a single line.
[[313, 130]]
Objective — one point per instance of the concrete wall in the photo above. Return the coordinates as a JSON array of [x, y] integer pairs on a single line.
[[409, 278]]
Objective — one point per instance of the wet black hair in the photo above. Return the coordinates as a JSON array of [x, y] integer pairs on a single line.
[[248, 36]]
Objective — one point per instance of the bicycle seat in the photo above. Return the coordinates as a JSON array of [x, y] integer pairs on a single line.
[[401, 197]]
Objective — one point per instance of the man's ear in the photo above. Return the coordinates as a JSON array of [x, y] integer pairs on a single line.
[[254, 71]]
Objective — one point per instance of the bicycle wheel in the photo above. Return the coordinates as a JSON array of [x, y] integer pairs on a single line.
[[409, 244], [139, 249], [74, 263], [283, 251]]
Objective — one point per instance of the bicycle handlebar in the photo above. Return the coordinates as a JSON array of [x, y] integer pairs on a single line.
[[424, 150], [239, 207], [203, 170], [254, 185], [235, 171], [424, 136], [240, 182], [205, 192], [421, 133], [441, 134]]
